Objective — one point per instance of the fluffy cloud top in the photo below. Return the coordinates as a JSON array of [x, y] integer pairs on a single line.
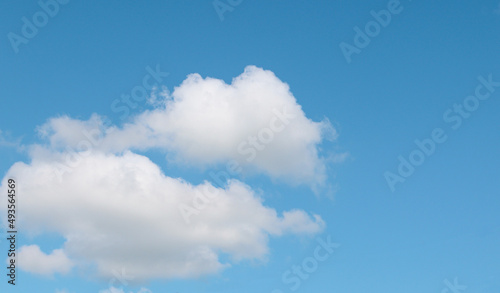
[[120, 212], [33, 260], [255, 122]]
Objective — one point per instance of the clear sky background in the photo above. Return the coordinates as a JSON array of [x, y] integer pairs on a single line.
[[441, 223]]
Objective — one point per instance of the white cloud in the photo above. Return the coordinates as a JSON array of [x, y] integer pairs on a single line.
[[33, 260], [120, 213], [118, 290], [64, 131], [112, 290], [255, 121]]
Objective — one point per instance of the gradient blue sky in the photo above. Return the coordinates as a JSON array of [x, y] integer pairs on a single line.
[[441, 223]]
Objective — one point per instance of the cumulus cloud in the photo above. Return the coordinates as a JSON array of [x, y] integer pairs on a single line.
[[65, 132], [119, 290], [119, 212], [255, 122], [33, 260]]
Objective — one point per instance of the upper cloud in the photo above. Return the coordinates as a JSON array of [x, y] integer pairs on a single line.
[[255, 123]]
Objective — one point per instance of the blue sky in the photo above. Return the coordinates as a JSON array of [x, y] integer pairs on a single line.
[[441, 223]]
